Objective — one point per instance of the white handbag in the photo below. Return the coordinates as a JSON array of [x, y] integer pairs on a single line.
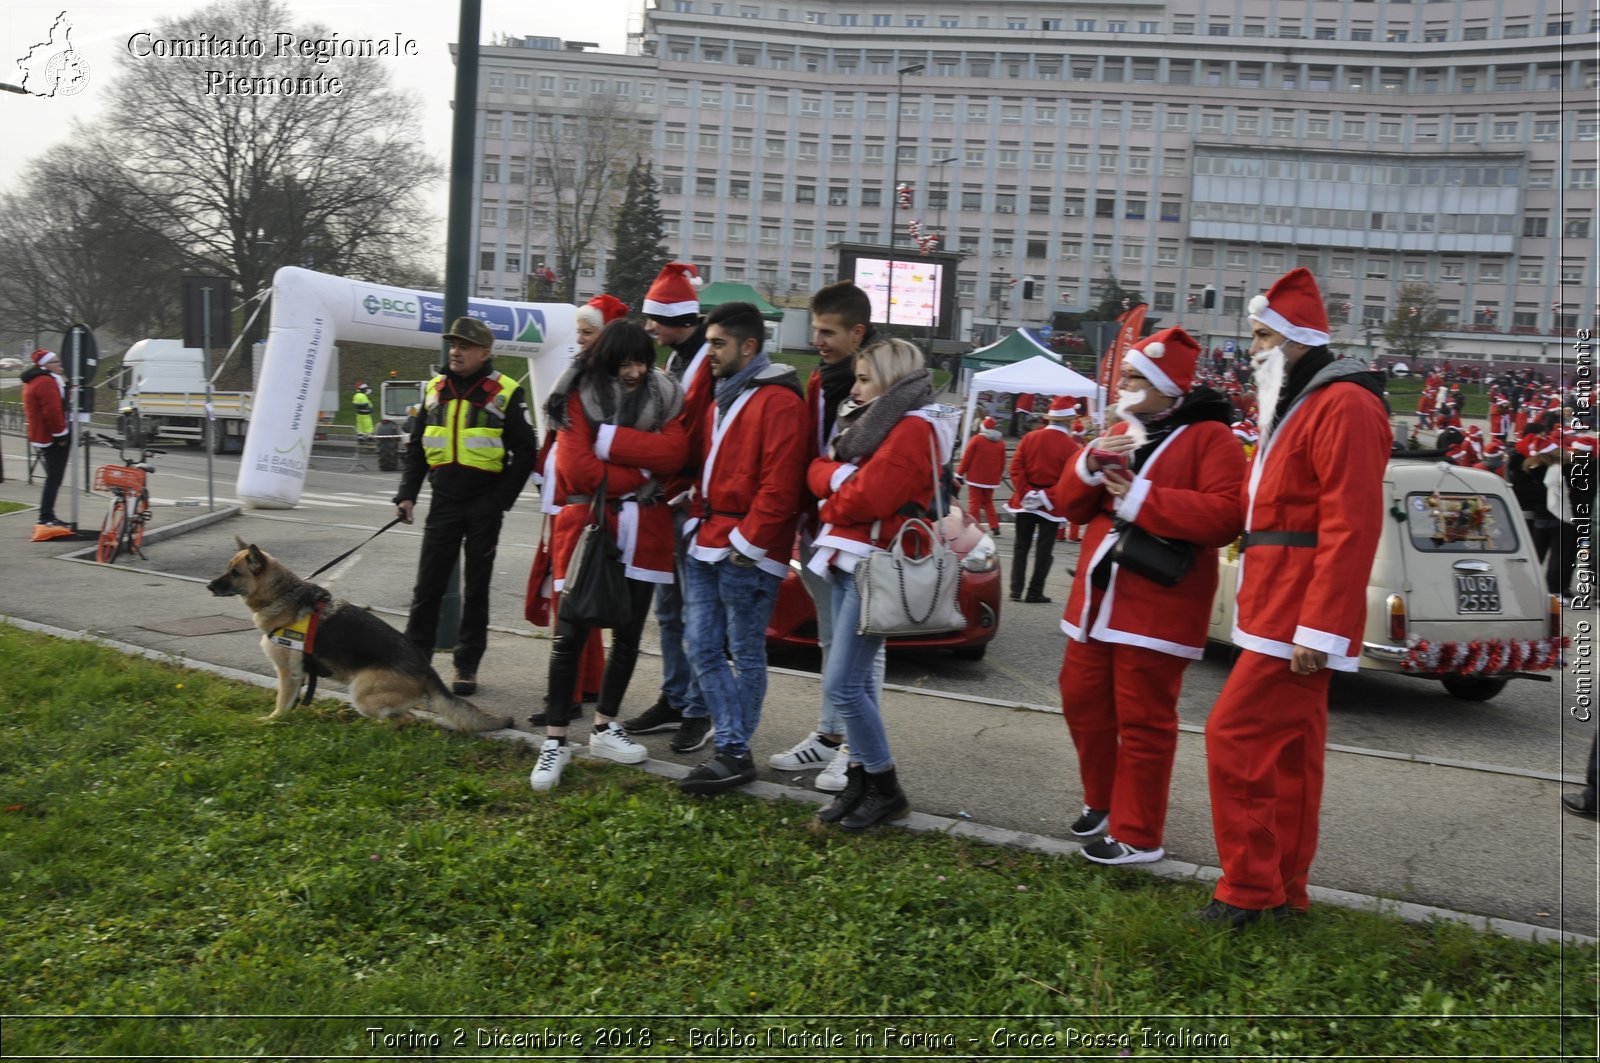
[[905, 595]]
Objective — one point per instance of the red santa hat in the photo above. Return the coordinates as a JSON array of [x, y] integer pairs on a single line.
[[42, 357], [674, 294], [1474, 431], [1062, 407], [1293, 308], [1167, 359], [990, 424], [602, 310]]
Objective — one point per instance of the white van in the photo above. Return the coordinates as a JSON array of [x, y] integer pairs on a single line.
[[1457, 593]]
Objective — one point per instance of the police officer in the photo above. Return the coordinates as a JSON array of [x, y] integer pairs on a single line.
[[474, 441], [362, 401]]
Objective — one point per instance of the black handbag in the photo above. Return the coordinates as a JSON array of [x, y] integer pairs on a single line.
[[1164, 561], [595, 590]]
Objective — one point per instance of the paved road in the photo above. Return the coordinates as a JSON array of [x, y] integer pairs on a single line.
[[1460, 837]]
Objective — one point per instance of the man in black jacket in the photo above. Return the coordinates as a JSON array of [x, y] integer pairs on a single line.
[[474, 441]]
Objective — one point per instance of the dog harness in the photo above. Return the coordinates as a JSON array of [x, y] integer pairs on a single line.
[[302, 635]]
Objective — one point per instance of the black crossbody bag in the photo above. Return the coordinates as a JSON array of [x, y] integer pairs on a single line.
[[1163, 561]]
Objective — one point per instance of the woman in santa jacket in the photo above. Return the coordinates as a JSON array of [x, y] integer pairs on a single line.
[[611, 388], [881, 466], [1173, 469]]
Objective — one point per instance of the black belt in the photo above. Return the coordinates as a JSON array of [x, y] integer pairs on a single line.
[[1280, 538], [611, 503], [706, 512]]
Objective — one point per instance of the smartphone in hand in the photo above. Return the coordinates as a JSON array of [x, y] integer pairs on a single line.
[[1110, 459]]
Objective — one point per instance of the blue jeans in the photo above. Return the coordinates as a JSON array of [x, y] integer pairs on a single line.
[[726, 605], [847, 679], [829, 722], [677, 677]]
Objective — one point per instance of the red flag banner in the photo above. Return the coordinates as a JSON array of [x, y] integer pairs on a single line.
[[1132, 322]]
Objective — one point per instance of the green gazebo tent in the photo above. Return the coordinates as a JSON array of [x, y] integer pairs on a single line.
[[730, 292]]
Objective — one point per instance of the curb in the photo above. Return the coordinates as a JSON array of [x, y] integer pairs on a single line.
[[1176, 870]]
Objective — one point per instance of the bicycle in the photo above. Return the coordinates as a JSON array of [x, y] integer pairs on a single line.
[[123, 530]]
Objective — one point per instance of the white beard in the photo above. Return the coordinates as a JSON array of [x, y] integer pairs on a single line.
[[1268, 375], [1136, 428]]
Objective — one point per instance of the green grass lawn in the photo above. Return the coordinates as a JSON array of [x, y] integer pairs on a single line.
[[1403, 394], [179, 877], [12, 507]]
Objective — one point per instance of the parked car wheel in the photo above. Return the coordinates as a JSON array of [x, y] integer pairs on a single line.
[[1473, 688]]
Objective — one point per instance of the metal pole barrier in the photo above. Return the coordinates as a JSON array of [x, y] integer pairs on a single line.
[[210, 429], [72, 423]]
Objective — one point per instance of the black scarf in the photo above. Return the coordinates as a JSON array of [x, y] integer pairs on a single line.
[[1310, 364], [836, 380], [1198, 404], [865, 427]]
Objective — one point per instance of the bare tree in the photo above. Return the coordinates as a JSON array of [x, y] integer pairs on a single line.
[[581, 163], [248, 182], [75, 251], [1414, 332]]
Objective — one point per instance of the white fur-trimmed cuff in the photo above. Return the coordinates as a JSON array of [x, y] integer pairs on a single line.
[[1327, 642], [602, 441], [1127, 507], [745, 546], [841, 474]]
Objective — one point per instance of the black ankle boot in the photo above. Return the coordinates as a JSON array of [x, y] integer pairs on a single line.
[[855, 788], [883, 801]]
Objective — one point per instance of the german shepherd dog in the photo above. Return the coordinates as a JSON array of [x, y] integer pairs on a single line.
[[387, 675]]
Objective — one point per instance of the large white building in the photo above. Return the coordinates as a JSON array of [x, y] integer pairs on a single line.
[[1178, 146]]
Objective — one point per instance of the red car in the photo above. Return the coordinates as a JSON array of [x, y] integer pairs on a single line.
[[794, 618]]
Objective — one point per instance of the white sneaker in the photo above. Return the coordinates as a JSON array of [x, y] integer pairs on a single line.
[[832, 778], [614, 744], [552, 758], [810, 753]]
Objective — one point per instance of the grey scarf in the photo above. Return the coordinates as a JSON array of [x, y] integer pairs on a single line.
[[648, 407], [863, 428], [730, 388]]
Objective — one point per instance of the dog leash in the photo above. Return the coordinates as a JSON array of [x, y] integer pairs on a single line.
[[353, 549]]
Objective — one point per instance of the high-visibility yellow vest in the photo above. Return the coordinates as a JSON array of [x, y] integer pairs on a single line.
[[471, 431]]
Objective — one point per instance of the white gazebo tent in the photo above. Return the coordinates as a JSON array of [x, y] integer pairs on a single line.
[[1032, 376]]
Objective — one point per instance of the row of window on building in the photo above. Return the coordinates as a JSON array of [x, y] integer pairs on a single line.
[[1322, 29]]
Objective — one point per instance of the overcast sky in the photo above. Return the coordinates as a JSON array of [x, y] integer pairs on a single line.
[[100, 32]]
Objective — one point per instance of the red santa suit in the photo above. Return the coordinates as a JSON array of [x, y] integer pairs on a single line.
[[752, 476], [1132, 638], [1036, 466], [1500, 417], [1425, 405], [1314, 510], [627, 459], [983, 466]]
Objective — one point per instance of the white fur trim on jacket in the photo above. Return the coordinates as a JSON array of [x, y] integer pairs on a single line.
[[1127, 507], [1285, 650], [602, 441]]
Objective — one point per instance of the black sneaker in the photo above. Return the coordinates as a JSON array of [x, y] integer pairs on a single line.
[[694, 733], [1221, 914], [722, 772], [1038, 599], [1580, 804], [1092, 822], [657, 717], [542, 718]]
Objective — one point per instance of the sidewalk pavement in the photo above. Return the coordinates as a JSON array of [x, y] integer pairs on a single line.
[[1421, 840]]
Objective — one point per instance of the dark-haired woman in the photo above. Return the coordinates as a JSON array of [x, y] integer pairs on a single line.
[[611, 390]]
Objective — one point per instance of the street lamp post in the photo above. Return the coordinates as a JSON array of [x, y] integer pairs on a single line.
[[894, 188], [939, 244]]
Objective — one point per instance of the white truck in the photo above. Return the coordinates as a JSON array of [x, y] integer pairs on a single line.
[[163, 395]]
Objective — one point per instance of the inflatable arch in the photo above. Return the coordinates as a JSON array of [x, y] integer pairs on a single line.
[[310, 311]]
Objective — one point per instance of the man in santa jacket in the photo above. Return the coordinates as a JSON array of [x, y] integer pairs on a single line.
[[751, 481], [983, 465], [1313, 513], [1035, 467], [44, 407], [672, 317]]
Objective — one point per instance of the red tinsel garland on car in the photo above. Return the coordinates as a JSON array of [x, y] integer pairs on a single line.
[[1484, 656]]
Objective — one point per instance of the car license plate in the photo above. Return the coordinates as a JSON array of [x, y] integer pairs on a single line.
[[1477, 594]]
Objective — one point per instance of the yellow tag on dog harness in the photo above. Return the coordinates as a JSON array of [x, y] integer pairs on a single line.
[[292, 637]]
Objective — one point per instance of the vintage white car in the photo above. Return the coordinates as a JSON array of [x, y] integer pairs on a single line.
[[1457, 593]]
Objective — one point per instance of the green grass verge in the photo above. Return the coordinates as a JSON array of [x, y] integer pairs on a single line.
[[1403, 392], [166, 854], [12, 507]]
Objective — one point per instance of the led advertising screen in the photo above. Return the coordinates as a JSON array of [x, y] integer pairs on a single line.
[[911, 298]]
